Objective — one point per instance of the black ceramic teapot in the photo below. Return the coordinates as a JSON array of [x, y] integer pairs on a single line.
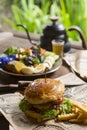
[[56, 30], [76, 28]]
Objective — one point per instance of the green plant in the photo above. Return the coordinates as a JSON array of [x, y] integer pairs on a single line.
[[74, 12], [34, 16], [30, 15]]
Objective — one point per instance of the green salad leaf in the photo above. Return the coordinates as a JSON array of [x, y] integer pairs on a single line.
[[65, 107], [50, 113], [11, 51], [36, 60], [49, 53], [23, 105]]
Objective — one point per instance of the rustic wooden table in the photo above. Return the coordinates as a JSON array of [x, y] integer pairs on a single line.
[[8, 79]]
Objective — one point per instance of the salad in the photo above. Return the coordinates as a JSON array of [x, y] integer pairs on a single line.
[[27, 60]]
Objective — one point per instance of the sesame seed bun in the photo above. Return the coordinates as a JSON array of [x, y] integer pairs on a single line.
[[44, 90]]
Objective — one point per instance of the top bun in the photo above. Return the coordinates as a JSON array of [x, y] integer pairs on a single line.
[[44, 90]]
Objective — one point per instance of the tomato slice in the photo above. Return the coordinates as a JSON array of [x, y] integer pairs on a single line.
[[59, 101]]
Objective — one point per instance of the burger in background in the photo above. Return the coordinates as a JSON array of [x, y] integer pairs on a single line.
[[43, 100]]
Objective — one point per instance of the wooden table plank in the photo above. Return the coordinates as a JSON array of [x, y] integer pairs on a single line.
[[6, 79]]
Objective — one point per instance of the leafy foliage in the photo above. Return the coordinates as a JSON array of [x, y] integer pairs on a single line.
[[70, 12], [30, 15], [74, 12]]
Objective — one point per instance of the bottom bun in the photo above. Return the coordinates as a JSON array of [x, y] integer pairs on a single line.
[[35, 115]]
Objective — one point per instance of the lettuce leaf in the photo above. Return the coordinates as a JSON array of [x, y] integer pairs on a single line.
[[11, 51], [50, 113], [23, 105], [65, 107]]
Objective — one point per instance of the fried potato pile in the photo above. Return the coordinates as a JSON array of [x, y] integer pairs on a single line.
[[78, 115]]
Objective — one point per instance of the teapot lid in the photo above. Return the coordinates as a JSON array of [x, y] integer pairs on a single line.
[[54, 27]]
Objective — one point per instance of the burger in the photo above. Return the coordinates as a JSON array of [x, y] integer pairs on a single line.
[[44, 100]]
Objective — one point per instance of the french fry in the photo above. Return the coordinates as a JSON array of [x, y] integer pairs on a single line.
[[85, 105], [75, 109], [66, 117], [78, 115], [79, 106], [75, 121], [82, 116], [85, 122]]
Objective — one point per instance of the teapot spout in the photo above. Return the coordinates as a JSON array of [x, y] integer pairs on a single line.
[[76, 28]]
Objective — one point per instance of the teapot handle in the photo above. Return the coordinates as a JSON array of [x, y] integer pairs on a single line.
[[84, 45]]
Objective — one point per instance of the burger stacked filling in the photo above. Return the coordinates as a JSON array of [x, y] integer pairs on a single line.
[[43, 100]]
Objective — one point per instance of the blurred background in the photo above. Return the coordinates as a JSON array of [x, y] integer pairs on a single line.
[[34, 14]]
